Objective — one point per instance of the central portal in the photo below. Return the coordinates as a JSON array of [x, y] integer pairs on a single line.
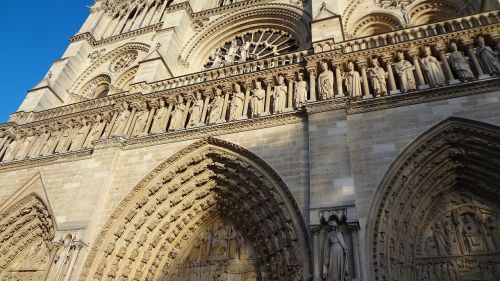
[[219, 252]]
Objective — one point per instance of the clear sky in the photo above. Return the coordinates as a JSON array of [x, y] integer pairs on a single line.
[[33, 34]]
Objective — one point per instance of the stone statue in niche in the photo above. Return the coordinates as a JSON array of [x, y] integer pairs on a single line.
[[459, 63], [178, 115], [335, 256], [236, 109], [25, 147], [80, 135], [487, 57], [280, 92], [432, 68], [216, 108], [50, 144], [404, 69], [65, 138], [161, 119], [300, 90], [140, 123], [62, 260], [258, 99], [121, 121], [196, 112], [377, 76], [325, 82], [353, 82], [96, 131]]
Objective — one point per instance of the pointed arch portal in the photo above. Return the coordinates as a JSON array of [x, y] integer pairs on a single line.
[[213, 209], [436, 215]]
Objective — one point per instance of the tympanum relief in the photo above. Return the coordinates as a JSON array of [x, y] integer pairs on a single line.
[[219, 252], [460, 241]]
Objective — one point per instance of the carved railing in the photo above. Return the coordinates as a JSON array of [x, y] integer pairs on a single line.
[[265, 88]]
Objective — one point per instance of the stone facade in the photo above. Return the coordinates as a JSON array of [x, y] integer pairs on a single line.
[[260, 140]]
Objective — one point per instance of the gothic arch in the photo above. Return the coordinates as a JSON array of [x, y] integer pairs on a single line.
[[285, 17], [170, 205], [373, 23], [123, 82], [97, 87], [112, 57], [441, 193], [27, 229], [427, 11]]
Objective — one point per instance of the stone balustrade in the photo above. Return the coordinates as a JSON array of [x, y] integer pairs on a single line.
[[407, 62]]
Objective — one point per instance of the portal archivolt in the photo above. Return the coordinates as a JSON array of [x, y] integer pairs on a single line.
[[437, 211], [213, 207]]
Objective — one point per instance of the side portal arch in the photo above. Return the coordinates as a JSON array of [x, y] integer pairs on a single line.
[[211, 183], [436, 213]]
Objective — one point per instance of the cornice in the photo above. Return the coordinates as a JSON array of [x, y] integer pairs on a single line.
[[46, 160]]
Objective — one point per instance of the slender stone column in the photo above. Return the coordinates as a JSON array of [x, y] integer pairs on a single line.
[[290, 79], [130, 122], [186, 112], [420, 75], [366, 88], [476, 64], [169, 112], [2, 143], [248, 86], [338, 80], [226, 104], [154, 107], [110, 126], [316, 255], [267, 109], [312, 83], [447, 68], [392, 82], [205, 107], [355, 251]]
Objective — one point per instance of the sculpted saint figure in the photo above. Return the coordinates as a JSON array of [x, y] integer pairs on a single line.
[[80, 136], [244, 51], [353, 81], [65, 139], [12, 150], [217, 59], [459, 63], [140, 123], [178, 115], [121, 121], [236, 110], [216, 107], [50, 144], [325, 82], [279, 94], [404, 70], [300, 90], [231, 53], [161, 119], [377, 75], [96, 131], [406, 15], [432, 68], [335, 257], [487, 57], [25, 147], [196, 112], [258, 100]]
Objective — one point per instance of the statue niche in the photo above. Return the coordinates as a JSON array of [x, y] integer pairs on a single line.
[[461, 240], [218, 252]]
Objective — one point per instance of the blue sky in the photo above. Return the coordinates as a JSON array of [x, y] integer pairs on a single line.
[[33, 34]]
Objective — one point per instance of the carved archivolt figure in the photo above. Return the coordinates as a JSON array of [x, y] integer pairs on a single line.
[[161, 119], [487, 57], [80, 136], [258, 100], [404, 70], [325, 82], [121, 121], [335, 257], [353, 82], [280, 92], [377, 75], [140, 123], [216, 108], [178, 115], [300, 90], [236, 110], [459, 64], [432, 68], [196, 112]]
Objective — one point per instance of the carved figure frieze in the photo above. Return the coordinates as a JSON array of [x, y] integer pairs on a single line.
[[280, 95], [237, 104], [325, 82], [301, 90], [258, 99], [177, 116], [459, 63], [487, 57], [378, 78], [252, 45], [432, 68], [353, 81], [404, 69], [196, 112], [216, 108]]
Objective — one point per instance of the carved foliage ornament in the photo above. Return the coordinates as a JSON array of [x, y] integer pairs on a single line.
[[252, 45], [123, 61]]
